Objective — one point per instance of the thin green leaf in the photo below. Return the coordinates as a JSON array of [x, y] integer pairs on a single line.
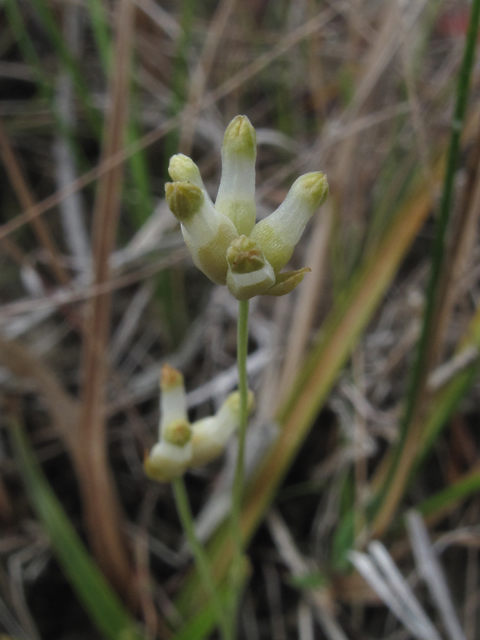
[[441, 503], [309, 581], [101, 603], [101, 31]]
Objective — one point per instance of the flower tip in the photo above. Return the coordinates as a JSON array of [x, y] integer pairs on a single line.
[[170, 377], [249, 274], [184, 199], [178, 432], [245, 256], [233, 402], [165, 462], [240, 137], [181, 168], [314, 187]]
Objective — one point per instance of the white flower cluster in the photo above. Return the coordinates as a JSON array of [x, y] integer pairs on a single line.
[[183, 445], [223, 239]]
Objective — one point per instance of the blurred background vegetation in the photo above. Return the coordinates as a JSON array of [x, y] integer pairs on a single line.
[[366, 426]]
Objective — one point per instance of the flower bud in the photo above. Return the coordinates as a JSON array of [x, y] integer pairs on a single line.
[[210, 435], [278, 234], [181, 168], [286, 282], [249, 274], [178, 432], [167, 461], [184, 200], [171, 456], [236, 194], [173, 401], [207, 233]]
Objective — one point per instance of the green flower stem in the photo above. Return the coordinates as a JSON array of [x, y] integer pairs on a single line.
[[238, 481], [201, 559]]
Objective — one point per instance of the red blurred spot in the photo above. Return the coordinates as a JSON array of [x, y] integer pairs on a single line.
[[453, 23]]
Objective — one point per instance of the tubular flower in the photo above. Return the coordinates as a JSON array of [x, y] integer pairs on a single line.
[[183, 445], [225, 243], [171, 456], [210, 435]]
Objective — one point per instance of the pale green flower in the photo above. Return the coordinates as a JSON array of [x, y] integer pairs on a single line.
[[171, 456], [223, 239], [210, 435], [183, 445]]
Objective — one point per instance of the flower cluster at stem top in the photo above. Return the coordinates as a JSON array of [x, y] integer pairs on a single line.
[[223, 239], [183, 445]]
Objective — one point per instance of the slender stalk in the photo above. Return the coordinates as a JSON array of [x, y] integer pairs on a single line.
[[201, 559], [238, 481]]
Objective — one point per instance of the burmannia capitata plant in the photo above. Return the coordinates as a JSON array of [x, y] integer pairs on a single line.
[[231, 248]]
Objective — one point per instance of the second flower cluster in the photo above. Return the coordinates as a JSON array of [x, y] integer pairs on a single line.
[[183, 445]]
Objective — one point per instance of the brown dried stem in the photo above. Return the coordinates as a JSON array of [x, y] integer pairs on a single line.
[[102, 510], [27, 201]]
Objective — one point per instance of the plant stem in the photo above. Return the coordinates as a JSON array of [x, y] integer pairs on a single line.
[[201, 559], [238, 481]]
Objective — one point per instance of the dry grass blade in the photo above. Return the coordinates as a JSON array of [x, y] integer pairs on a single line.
[[117, 159], [411, 425], [202, 71], [63, 297], [102, 510], [460, 247], [384, 48], [71, 209], [338, 337], [319, 597], [22, 259], [27, 201], [429, 568], [63, 408], [309, 298], [381, 573], [305, 622], [10, 624], [400, 587]]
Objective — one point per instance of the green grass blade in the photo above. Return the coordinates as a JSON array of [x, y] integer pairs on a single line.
[[100, 30], [203, 623], [447, 399], [101, 603], [446, 403], [441, 503]]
